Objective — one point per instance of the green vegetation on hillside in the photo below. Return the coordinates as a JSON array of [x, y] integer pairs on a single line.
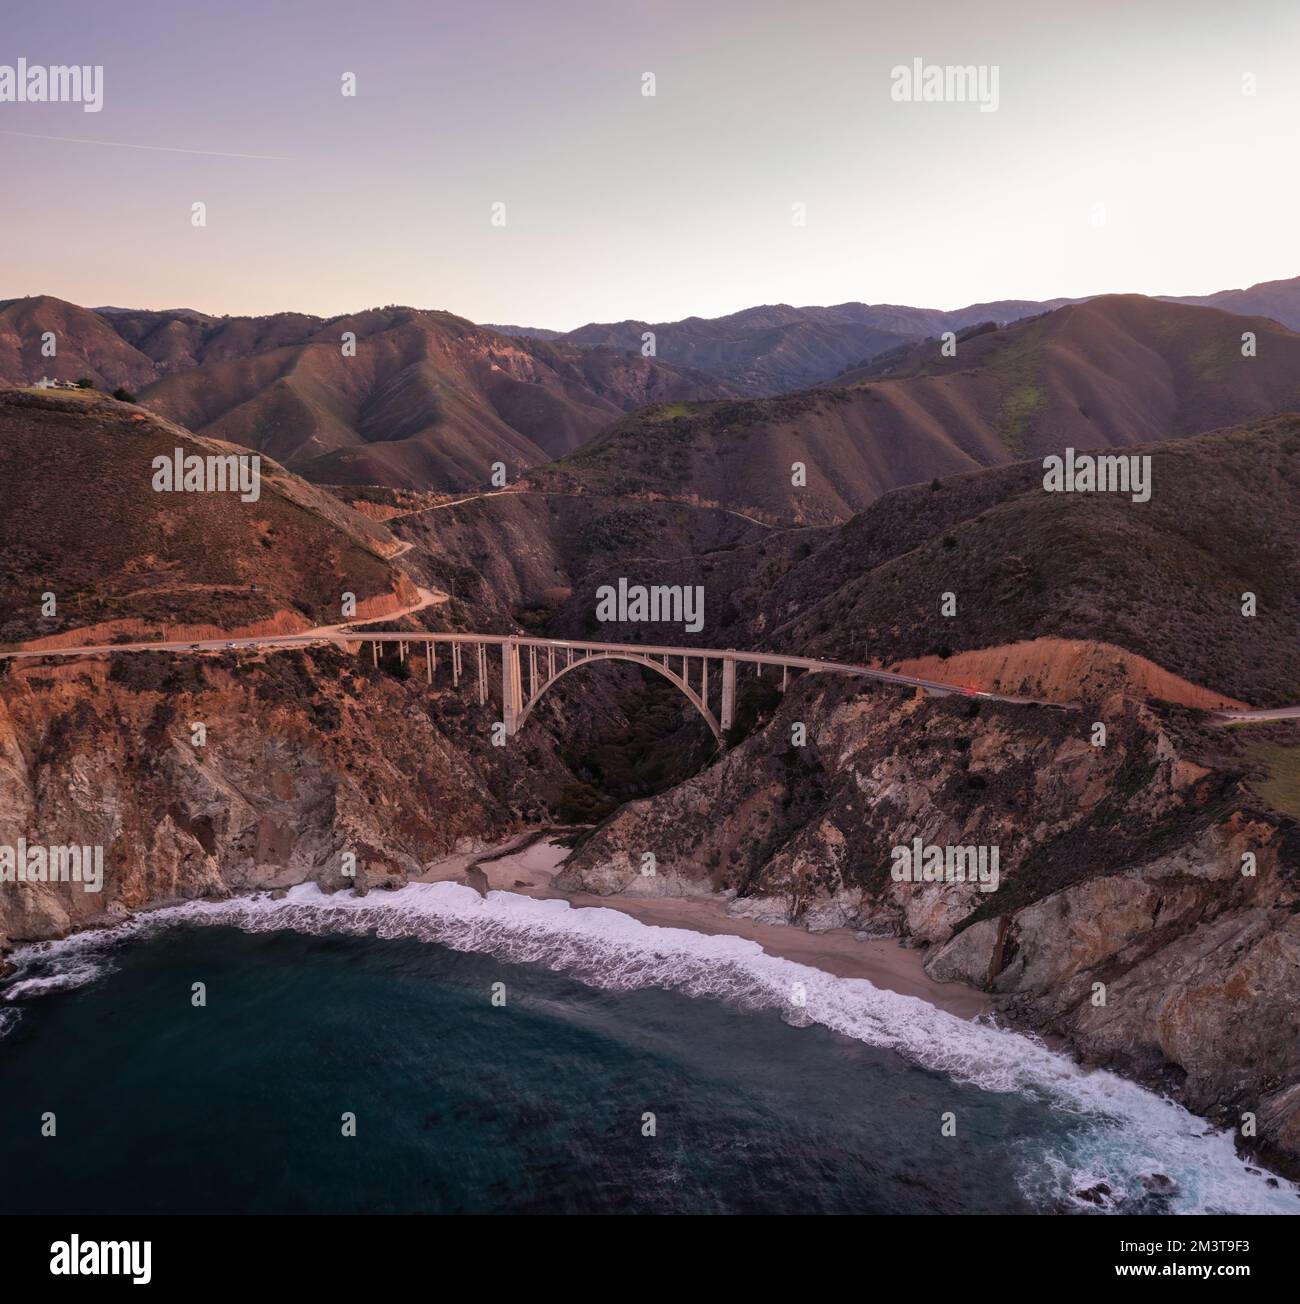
[[1164, 579], [1280, 786], [79, 518], [1020, 367]]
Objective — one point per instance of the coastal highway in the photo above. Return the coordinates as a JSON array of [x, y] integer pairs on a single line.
[[1250, 716], [304, 638], [345, 632]]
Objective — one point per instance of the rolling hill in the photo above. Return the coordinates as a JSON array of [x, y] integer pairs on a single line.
[[1056, 593], [86, 344], [432, 401], [1277, 299], [429, 400], [1111, 372], [79, 518], [1162, 579], [776, 348]]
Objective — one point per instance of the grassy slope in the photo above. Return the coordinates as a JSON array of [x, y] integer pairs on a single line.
[[1279, 769], [1122, 370], [1163, 578], [80, 518]]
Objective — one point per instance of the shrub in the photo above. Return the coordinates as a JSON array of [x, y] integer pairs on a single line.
[[580, 803]]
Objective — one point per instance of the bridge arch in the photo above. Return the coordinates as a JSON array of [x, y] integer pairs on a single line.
[[647, 663]]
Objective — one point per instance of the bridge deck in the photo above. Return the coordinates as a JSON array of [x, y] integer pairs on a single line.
[[814, 665]]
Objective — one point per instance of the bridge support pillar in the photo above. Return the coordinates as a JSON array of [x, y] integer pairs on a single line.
[[728, 693], [512, 689], [480, 655]]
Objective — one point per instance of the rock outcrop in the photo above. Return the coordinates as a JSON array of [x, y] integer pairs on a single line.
[[305, 760], [1147, 906]]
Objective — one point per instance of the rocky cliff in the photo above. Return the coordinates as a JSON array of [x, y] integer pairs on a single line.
[[1148, 902], [304, 757]]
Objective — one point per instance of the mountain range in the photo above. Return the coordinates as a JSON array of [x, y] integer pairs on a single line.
[[776, 347], [1123, 861], [1115, 371], [393, 395], [862, 394]]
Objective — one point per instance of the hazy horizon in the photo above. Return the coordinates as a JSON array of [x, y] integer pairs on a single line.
[[542, 325], [621, 205]]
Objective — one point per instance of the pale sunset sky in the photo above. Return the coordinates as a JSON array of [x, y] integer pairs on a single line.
[[621, 205]]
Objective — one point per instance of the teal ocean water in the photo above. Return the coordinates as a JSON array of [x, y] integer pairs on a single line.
[[773, 1087]]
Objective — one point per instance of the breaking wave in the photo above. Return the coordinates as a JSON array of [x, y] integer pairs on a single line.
[[1123, 1147]]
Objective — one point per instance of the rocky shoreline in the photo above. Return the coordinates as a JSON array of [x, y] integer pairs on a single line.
[[1149, 913], [1123, 925]]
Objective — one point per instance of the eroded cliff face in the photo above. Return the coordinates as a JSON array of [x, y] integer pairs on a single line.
[[1181, 971], [307, 756], [1147, 908], [1122, 919]]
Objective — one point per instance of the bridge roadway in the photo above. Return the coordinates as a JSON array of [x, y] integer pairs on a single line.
[[560, 656], [518, 704]]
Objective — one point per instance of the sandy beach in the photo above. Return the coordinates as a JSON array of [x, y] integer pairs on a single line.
[[529, 863]]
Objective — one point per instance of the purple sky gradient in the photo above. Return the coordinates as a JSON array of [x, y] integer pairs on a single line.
[[620, 205]]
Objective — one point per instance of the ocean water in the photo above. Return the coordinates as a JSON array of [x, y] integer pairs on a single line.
[[773, 1087]]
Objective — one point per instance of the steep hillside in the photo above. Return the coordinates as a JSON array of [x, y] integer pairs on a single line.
[[86, 343], [776, 348], [1119, 865], [537, 559], [1061, 596], [79, 518], [1112, 372], [854, 445], [308, 755], [427, 401], [1277, 299], [1163, 579], [1121, 369]]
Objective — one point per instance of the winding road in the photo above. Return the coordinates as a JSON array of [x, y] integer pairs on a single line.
[[346, 632]]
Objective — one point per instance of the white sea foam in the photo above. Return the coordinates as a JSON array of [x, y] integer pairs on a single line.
[[70, 973], [46, 967], [1119, 1133]]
